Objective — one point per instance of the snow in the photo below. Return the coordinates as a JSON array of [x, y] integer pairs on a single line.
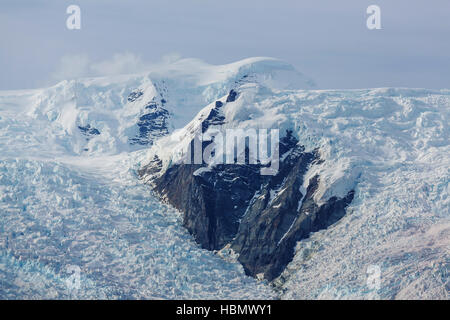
[[96, 216], [201, 170], [70, 201], [274, 193]]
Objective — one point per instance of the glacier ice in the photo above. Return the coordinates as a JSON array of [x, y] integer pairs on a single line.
[[71, 200]]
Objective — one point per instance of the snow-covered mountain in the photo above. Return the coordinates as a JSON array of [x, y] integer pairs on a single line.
[[363, 182]]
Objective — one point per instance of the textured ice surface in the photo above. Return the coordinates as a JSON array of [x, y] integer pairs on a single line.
[[127, 245], [66, 200]]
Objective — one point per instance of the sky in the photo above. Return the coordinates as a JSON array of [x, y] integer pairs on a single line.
[[328, 40]]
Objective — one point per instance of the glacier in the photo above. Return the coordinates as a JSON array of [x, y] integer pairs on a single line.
[[70, 196]]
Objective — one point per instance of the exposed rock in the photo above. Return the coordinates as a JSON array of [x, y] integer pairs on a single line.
[[213, 201], [260, 218], [134, 95], [152, 124], [232, 96], [215, 117], [88, 130], [268, 234]]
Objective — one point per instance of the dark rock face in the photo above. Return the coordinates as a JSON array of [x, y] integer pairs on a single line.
[[232, 96], [260, 217], [152, 124], [88, 130], [215, 117], [213, 202], [153, 121], [267, 235], [134, 95]]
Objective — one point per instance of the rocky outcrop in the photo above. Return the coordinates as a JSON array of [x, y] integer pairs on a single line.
[[135, 95], [88, 130], [214, 118], [152, 124], [260, 218], [232, 96], [267, 235]]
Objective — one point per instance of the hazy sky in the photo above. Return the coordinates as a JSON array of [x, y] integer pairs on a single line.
[[325, 39]]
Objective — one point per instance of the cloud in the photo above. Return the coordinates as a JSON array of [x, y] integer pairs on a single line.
[[79, 65], [120, 63], [72, 66]]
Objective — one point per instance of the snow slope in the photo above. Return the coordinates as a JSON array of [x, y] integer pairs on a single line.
[[68, 199]]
